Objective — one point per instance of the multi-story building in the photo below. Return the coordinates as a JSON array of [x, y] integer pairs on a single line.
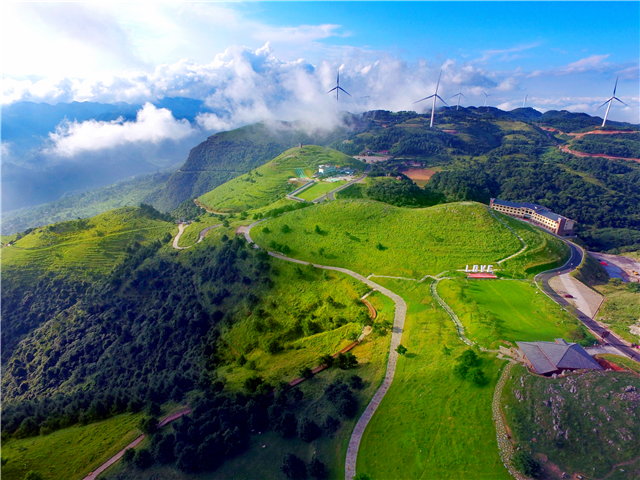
[[536, 215]]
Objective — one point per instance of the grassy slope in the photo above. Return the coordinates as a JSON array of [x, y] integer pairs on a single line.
[[192, 232], [85, 204], [414, 242], [584, 451], [90, 246], [319, 189], [301, 302], [622, 361], [543, 252], [620, 309], [510, 310], [591, 272], [431, 424], [69, 453], [269, 183]]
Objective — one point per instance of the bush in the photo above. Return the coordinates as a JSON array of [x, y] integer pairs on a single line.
[[306, 372], [401, 349], [143, 459], [148, 424], [478, 377], [128, 455], [316, 469], [468, 360], [252, 383], [293, 467], [331, 425], [356, 382], [308, 430], [346, 361], [327, 360]]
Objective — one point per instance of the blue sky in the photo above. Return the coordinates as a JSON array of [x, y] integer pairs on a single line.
[[257, 60]]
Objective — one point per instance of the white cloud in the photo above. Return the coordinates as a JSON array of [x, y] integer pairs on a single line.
[[591, 63], [152, 125]]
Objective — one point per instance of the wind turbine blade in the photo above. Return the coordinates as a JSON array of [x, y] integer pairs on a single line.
[[605, 103], [453, 96], [438, 84], [438, 96], [615, 86], [425, 98], [332, 89], [342, 89], [338, 79], [462, 95], [616, 98]]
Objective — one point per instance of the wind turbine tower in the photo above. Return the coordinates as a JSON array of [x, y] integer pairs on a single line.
[[485, 97], [338, 89], [434, 96], [524, 102], [459, 94], [610, 101]]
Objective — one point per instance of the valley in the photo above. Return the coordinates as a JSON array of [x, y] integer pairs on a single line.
[[230, 305]]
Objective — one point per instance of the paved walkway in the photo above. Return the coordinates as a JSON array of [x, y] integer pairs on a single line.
[[396, 337], [505, 447], [584, 299]]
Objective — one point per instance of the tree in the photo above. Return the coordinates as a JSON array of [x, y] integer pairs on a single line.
[[128, 455], [316, 469], [148, 424], [143, 459], [401, 349], [306, 372], [318, 230], [468, 360], [326, 360], [331, 424], [242, 360], [528, 465], [308, 430], [293, 467], [345, 361], [285, 228], [252, 383]]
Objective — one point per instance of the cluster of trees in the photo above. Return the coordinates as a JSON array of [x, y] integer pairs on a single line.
[[221, 424], [159, 313], [623, 145], [402, 193]]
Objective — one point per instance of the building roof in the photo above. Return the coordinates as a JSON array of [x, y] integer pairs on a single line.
[[505, 203], [539, 209], [546, 357]]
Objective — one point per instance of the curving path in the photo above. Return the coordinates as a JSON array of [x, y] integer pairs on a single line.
[[524, 244], [396, 337], [182, 227]]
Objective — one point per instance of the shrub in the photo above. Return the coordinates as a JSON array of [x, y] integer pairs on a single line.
[[331, 424], [316, 469], [306, 372], [478, 377], [285, 228], [128, 455], [356, 382], [148, 424], [346, 361], [308, 430], [143, 459], [293, 467], [528, 465], [401, 349], [326, 360], [252, 383]]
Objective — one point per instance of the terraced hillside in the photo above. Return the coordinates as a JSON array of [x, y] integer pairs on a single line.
[[90, 246], [269, 183], [373, 237]]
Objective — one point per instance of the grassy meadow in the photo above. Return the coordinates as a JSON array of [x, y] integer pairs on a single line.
[[510, 310], [432, 424], [269, 183], [373, 237], [70, 453], [586, 429], [192, 232], [319, 189], [90, 246]]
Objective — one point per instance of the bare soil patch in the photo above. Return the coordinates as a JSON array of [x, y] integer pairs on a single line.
[[419, 173]]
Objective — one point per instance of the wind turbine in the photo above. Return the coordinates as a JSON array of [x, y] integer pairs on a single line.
[[338, 88], [610, 101], [434, 96], [524, 102], [459, 94], [485, 97]]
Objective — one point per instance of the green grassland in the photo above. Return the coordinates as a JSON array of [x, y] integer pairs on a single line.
[[585, 426], [431, 424], [70, 453], [510, 310], [91, 246], [543, 252], [269, 183], [319, 189], [620, 310], [368, 236]]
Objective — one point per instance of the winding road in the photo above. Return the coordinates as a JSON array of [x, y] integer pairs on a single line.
[[332, 194], [396, 337], [543, 278], [181, 229]]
